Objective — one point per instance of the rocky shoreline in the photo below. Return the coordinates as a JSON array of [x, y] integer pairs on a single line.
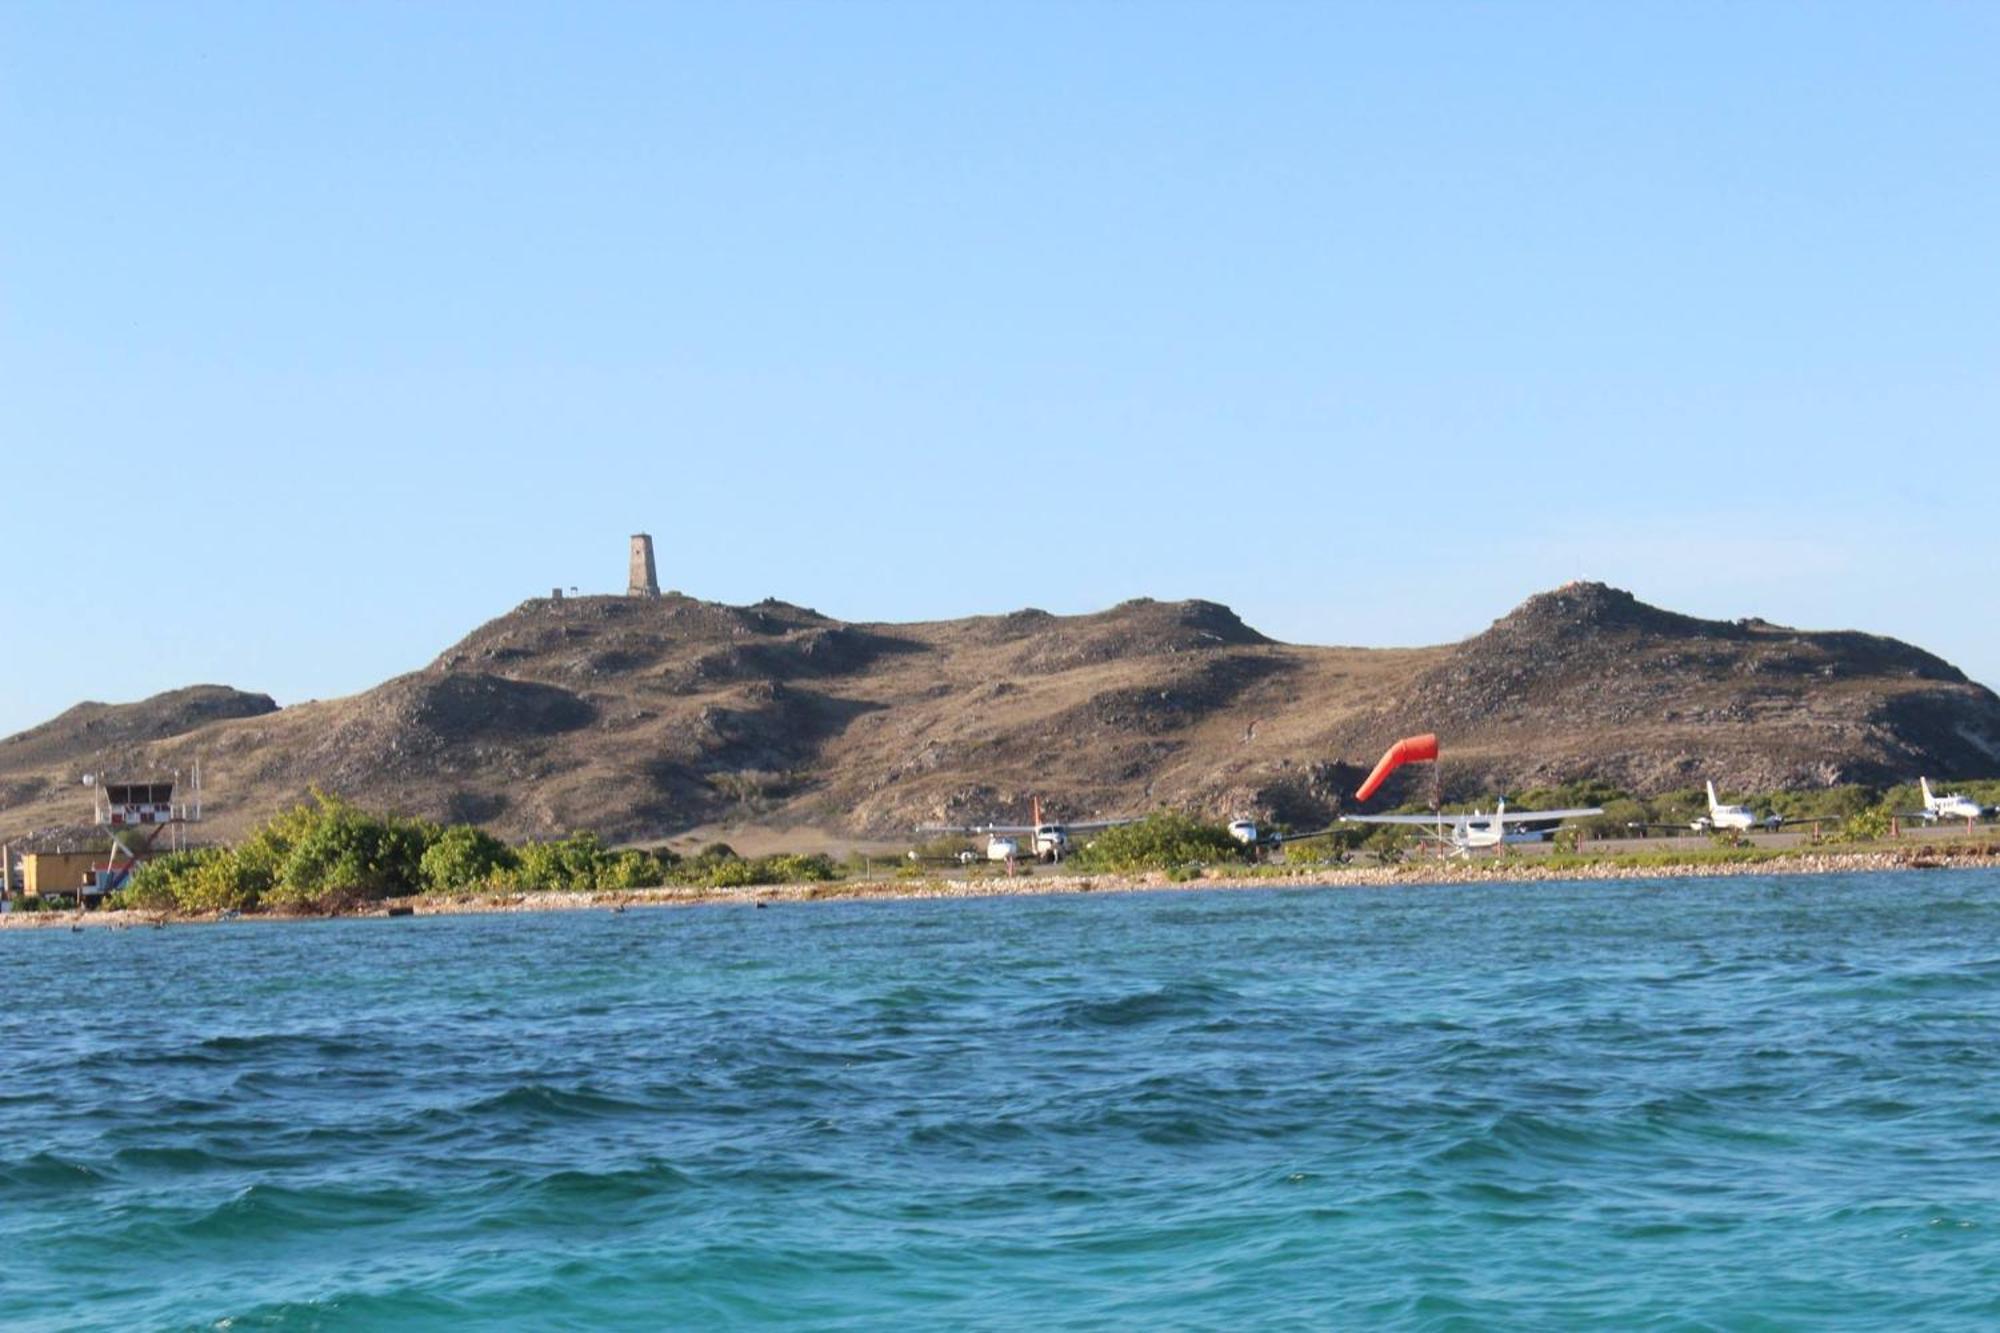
[[1412, 874]]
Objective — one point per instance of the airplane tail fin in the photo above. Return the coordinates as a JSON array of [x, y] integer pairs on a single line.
[[1712, 802], [1035, 811], [1925, 783]]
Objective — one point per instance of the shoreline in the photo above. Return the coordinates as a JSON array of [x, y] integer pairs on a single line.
[[1412, 874]]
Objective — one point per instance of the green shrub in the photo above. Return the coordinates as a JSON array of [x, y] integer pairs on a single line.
[[564, 865], [1620, 813], [718, 867], [201, 879], [735, 873], [221, 883], [630, 870], [1392, 842], [344, 856], [1864, 826], [1160, 841], [795, 868], [1332, 850], [156, 885], [463, 857], [1833, 804]]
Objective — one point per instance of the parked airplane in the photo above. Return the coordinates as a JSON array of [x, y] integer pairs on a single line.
[[1050, 838], [1740, 817], [1245, 831], [1464, 834], [1732, 819], [999, 846], [1952, 806]]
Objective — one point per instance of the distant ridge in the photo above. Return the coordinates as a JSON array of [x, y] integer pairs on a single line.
[[644, 717]]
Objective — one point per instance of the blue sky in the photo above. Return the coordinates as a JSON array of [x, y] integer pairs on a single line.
[[373, 320]]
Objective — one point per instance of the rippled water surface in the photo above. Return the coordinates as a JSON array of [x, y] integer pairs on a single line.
[[1742, 1103]]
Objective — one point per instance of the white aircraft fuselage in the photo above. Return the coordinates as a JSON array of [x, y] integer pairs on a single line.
[[1482, 831], [1739, 818], [1051, 841], [1950, 806]]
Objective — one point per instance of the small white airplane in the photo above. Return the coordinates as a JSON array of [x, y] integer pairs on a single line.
[[1732, 819], [1050, 838], [1256, 839], [1951, 806], [999, 846], [1739, 817], [1464, 834]]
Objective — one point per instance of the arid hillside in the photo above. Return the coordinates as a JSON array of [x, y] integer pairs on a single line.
[[643, 718]]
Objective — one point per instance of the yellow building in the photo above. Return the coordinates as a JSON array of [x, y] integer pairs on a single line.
[[60, 873]]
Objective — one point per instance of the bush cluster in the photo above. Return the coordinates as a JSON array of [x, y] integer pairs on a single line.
[[1163, 840], [322, 856], [327, 855]]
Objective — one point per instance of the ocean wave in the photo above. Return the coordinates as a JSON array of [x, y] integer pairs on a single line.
[[1176, 1000], [46, 1172], [176, 1160], [634, 1182], [546, 1103], [1524, 1135], [969, 1132], [265, 1213]]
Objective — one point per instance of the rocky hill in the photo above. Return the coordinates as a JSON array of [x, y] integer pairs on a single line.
[[643, 718], [1587, 681], [40, 767]]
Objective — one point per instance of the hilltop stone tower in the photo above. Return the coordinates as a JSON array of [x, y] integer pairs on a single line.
[[645, 579]]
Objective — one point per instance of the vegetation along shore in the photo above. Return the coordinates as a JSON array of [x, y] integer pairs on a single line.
[[329, 858]]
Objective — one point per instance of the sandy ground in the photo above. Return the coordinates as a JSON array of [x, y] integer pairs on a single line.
[[1413, 874]]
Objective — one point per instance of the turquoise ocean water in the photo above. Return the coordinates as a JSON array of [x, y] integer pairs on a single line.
[[1749, 1103]]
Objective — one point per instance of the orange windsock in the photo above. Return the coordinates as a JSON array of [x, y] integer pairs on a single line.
[[1408, 750]]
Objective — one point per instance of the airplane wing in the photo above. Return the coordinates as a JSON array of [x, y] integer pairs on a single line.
[[1088, 824], [1423, 821], [1505, 817], [969, 829], [1282, 838]]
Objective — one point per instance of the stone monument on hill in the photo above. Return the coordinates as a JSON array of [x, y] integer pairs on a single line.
[[645, 579]]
